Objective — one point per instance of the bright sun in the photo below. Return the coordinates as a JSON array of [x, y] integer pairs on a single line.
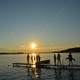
[[33, 45]]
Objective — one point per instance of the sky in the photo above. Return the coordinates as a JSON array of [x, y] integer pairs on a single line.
[[50, 24]]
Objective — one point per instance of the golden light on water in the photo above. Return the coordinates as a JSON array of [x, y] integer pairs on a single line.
[[34, 66], [34, 58], [33, 46]]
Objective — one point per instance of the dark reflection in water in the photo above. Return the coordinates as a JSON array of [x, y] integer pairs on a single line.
[[71, 75], [28, 71], [35, 74], [58, 74]]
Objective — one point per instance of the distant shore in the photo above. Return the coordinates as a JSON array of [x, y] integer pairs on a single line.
[[10, 53], [7, 53], [70, 50]]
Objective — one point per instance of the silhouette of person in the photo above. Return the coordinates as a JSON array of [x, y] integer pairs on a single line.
[[32, 58], [70, 59], [54, 59], [28, 58], [58, 59], [38, 58]]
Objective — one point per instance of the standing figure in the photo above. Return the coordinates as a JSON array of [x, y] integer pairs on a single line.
[[28, 58], [54, 59], [38, 58], [32, 58], [70, 59], [58, 59]]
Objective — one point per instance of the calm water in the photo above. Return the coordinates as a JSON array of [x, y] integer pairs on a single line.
[[8, 72]]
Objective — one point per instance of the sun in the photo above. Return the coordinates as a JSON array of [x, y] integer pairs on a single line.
[[33, 45]]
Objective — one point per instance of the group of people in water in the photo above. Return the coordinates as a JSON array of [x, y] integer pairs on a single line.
[[57, 59], [33, 58]]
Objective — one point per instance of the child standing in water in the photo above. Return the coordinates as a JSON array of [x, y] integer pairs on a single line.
[[54, 59], [70, 59], [28, 58], [58, 59]]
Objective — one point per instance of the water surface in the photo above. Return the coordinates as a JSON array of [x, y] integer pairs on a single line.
[[8, 72]]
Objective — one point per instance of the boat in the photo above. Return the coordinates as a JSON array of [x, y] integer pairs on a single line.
[[43, 62], [39, 64]]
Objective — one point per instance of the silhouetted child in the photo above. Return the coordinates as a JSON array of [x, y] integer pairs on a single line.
[[70, 59], [38, 58], [32, 58], [54, 59], [58, 59], [28, 58]]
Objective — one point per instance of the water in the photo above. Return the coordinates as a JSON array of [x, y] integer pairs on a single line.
[[8, 72]]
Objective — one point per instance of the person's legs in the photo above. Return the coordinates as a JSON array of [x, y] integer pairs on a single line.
[[69, 62], [60, 61], [57, 62]]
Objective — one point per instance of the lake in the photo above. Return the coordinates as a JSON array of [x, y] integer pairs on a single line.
[[8, 72]]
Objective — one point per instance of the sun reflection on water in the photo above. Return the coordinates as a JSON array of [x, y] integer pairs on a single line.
[[33, 58], [34, 65], [36, 73]]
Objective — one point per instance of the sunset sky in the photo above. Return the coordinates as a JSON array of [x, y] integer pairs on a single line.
[[50, 24]]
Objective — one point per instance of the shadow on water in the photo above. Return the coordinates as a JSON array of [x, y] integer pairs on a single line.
[[36, 74], [71, 75], [58, 74]]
